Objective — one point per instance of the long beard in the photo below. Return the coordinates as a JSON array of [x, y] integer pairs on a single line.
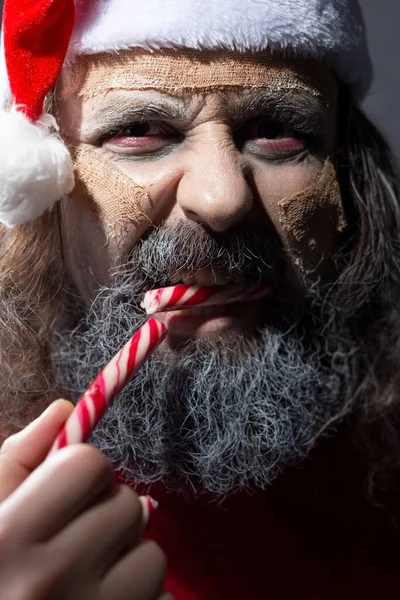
[[218, 414]]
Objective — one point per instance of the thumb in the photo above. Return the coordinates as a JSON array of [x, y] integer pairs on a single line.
[[22, 452]]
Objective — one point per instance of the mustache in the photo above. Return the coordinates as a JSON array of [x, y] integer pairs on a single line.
[[168, 253]]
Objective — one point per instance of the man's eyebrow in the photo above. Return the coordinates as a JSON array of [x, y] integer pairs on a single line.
[[304, 110], [298, 108], [119, 112]]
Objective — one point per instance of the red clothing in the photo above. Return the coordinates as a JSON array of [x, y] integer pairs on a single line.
[[297, 541]]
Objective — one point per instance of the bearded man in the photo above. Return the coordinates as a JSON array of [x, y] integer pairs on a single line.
[[212, 143]]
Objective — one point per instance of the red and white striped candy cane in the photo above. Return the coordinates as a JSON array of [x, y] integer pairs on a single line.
[[188, 296], [109, 383]]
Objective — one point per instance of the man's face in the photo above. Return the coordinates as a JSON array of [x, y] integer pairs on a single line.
[[202, 183], [220, 159]]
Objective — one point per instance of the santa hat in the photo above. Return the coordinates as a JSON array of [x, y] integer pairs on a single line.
[[41, 36]]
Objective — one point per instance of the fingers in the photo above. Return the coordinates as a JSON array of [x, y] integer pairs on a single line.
[[140, 575], [98, 536], [71, 502], [60, 489], [23, 452]]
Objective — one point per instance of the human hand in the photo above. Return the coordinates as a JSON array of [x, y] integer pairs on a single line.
[[67, 531]]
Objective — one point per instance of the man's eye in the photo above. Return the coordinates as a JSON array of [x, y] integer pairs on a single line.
[[138, 138], [271, 139], [271, 130], [138, 130]]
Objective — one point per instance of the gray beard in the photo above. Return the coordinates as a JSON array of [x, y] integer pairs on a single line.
[[217, 414]]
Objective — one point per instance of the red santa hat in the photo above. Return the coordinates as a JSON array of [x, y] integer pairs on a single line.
[[41, 36]]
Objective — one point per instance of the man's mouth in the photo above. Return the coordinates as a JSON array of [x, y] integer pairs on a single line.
[[190, 309], [204, 277]]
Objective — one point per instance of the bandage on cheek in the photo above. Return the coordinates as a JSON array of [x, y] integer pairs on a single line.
[[106, 191], [312, 220]]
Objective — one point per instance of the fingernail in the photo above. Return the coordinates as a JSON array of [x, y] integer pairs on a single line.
[[149, 505], [49, 410], [37, 421]]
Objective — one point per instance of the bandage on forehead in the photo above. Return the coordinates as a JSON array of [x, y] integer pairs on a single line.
[[188, 70]]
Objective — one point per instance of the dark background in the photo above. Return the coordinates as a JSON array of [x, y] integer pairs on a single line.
[[383, 102]]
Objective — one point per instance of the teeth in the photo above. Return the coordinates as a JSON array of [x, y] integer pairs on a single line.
[[203, 311], [206, 311], [189, 281], [182, 278], [203, 277], [176, 279]]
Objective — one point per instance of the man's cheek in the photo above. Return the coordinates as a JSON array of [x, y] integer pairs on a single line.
[[311, 221], [103, 218], [117, 201]]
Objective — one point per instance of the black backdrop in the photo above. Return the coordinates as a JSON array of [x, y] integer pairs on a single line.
[[383, 101]]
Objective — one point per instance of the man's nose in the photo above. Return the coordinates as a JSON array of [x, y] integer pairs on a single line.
[[214, 190]]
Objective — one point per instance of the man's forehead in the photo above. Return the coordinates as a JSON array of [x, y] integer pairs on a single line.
[[192, 71], [104, 91]]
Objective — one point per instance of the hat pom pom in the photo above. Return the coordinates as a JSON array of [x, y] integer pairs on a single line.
[[36, 169]]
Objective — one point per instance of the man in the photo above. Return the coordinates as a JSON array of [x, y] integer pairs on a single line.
[[211, 145]]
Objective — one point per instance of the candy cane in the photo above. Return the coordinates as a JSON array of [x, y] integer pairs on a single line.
[[109, 383], [189, 296]]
